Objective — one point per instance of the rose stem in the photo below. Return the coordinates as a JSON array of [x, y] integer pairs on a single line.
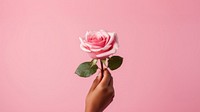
[[101, 67]]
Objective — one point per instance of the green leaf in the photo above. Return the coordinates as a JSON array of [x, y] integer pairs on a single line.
[[85, 69], [115, 62]]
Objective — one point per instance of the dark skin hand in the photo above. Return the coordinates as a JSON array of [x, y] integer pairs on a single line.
[[101, 93]]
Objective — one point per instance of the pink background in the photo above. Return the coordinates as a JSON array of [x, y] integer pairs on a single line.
[[39, 52]]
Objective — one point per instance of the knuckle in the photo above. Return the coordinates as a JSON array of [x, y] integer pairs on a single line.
[[107, 90]]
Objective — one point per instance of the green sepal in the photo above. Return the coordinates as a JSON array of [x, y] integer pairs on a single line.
[[104, 61], [94, 62]]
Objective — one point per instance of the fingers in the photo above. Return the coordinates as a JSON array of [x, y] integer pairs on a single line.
[[106, 78], [95, 83]]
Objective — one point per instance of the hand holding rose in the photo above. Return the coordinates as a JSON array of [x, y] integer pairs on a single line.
[[101, 93]]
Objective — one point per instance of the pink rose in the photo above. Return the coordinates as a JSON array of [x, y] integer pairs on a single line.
[[99, 44]]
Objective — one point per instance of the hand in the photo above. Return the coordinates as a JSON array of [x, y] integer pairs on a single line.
[[101, 93]]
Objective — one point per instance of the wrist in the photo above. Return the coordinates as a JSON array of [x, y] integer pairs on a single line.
[[91, 109]]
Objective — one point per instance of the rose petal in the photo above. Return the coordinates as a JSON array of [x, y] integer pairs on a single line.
[[84, 49], [104, 33], [96, 47], [86, 35], [112, 51], [98, 35], [113, 38], [100, 43], [107, 40], [101, 49], [81, 40], [88, 45]]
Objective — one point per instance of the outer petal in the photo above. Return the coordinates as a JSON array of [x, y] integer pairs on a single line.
[[106, 54], [81, 40], [101, 49], [83, 45], [86, 35], [112, 38], [84, 49], [104, 33]]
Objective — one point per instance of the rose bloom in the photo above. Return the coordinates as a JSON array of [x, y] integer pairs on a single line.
[[99, 44]]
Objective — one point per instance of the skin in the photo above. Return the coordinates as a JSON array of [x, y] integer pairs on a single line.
[[101, 93]]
